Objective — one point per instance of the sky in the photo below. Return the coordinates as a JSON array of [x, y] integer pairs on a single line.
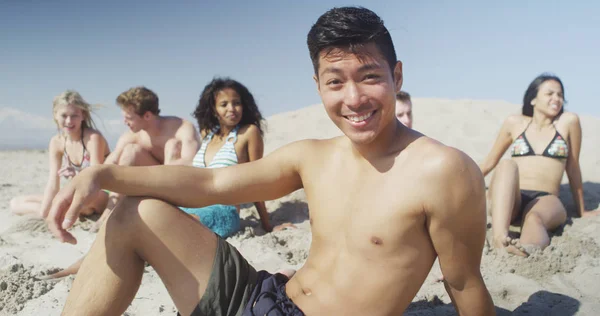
[[449, 49]]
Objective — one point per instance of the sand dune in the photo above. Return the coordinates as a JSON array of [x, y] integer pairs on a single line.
[[564, 279]]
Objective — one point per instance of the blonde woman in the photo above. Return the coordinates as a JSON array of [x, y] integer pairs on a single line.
[[76, 146]]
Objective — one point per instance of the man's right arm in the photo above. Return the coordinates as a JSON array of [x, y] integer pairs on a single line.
[[264, 179]]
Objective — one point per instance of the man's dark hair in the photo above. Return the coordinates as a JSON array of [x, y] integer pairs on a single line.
[[349, 28], [403, 97]]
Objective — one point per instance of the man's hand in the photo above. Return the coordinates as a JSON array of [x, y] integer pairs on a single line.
[[67, 204]]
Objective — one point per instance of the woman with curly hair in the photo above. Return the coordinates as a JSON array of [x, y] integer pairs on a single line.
[[231, 132]]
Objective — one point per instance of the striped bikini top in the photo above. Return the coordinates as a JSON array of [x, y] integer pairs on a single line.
[[226, 156]]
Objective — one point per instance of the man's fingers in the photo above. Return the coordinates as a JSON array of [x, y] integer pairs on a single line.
[[73, 212], [56, 215]]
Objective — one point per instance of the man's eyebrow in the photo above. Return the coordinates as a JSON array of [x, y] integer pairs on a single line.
[[363, 68], [367, 67]]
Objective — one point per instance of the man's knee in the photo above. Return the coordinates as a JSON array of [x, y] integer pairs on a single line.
[[130, 154], [133, 211]]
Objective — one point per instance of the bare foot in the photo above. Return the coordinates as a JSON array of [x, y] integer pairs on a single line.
[[511, 245], [64, 273], [501, 242], [515, 247]]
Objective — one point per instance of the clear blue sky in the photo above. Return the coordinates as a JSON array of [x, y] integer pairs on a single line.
[[450, 49]]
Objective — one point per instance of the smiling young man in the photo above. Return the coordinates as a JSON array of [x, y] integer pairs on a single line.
[[384, 202]]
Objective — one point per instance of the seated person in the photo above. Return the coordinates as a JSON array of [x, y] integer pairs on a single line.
[[404, 109], [544, 141], [152, 139], [384, 201], [230, 128], [77, 146]]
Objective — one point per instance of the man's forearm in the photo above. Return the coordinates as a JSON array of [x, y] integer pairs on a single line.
[[179, 185]]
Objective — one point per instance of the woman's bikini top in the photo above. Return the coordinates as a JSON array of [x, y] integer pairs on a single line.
[[85, 161], [226, 156], [557, 148]]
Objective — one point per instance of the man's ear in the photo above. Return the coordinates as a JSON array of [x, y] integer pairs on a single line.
[[398, 76], [147, 115], [316, 79]]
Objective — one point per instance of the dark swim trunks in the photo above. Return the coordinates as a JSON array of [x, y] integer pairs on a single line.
[[236, 288]]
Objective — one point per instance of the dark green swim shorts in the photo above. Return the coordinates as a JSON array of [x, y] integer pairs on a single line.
[[230, 285], [235, 288]]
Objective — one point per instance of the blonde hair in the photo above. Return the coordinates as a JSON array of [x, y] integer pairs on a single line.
[[71, 97], [141, 99]]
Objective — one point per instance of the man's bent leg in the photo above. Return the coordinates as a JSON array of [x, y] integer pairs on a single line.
[[179, 248], [132, 155]]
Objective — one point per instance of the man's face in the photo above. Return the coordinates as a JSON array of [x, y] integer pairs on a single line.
[[358, 92], [404, 113], [133, 120]]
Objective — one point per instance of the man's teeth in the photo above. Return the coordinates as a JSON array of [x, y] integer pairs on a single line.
[[360, 118]]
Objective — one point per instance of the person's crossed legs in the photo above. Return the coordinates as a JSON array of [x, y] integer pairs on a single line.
[[179, 248]]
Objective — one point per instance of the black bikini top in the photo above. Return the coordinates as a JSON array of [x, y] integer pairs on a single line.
[[557, 148]]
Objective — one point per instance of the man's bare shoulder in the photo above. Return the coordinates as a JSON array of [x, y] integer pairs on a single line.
[[304, 151], [441, 162]]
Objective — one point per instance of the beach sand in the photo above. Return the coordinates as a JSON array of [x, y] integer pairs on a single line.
[[564, 279]]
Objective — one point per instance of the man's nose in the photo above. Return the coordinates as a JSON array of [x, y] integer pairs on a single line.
[[352, 95]]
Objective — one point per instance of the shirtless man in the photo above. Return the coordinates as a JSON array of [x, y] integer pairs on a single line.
[[404, 108], [384, 202], [152, 139]]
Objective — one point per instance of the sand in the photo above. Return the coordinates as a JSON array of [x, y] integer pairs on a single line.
[[564, 279]]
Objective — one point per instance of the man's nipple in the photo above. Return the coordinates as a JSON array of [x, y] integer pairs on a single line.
[[376, 241]]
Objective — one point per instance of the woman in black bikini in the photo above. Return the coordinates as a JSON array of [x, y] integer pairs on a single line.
[[544, 143], [76, 146]]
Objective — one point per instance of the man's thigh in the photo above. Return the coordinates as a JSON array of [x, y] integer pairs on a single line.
[[179, 248]]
